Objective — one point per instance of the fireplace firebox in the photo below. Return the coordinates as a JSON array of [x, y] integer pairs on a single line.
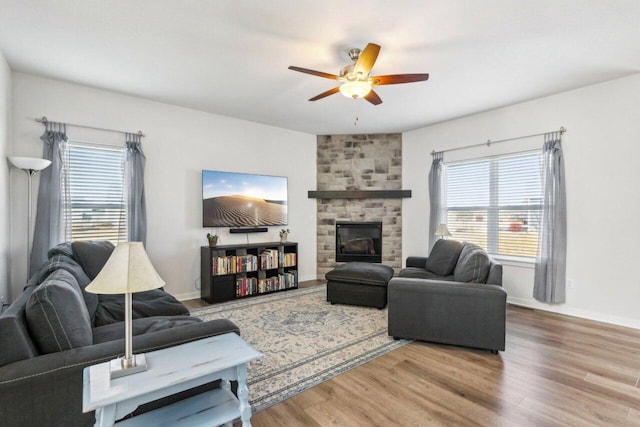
[[359, 241]]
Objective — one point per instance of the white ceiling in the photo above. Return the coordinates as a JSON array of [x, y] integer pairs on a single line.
[[230, 57]]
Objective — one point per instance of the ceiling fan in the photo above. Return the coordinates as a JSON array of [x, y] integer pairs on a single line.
[[355, 79]]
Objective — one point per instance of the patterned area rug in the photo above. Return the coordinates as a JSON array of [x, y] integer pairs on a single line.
[[305, 340]]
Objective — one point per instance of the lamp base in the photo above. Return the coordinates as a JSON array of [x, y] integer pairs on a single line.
[[118, 370]]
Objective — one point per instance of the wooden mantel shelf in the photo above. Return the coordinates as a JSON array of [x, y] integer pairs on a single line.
[[360, 194]]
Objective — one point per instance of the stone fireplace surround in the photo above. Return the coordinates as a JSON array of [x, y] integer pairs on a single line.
[[359, 162]]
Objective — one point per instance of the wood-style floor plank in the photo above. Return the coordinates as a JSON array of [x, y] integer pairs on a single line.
[[556, 371]]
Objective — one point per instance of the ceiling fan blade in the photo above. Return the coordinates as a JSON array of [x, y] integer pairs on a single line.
[[366, 59], [325, 94], [394, 79], [315, 73], [373, 98]]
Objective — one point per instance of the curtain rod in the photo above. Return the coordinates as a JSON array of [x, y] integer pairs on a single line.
[[489, 142], [44, 120]]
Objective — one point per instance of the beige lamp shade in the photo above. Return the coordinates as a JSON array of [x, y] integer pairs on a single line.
[[128, 270], [442, 231]]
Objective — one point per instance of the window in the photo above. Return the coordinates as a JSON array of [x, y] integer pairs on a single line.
[[96, 182], [496, 203]]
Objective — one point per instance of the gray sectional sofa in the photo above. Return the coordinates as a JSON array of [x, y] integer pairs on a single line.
[[454, 296], [55, 329]]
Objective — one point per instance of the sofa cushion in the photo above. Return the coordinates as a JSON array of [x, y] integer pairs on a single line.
[[115, 331], [473, 264], [155, 302], [57, 316], [92, 255], [443, 257]]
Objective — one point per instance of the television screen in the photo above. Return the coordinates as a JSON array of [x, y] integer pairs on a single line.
[[243, 200]]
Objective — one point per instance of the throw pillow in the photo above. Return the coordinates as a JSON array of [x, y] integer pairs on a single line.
[[57, 316], [473, 265], [92, 255], [443, 257]]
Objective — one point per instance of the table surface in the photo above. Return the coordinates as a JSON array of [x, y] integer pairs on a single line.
[[166, 368]]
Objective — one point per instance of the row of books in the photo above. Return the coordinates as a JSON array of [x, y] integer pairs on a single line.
[[269, 259], [234, 264], [253, 285], [288, 259]]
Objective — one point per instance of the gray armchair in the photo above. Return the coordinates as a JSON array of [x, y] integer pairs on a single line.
[[453, 297]]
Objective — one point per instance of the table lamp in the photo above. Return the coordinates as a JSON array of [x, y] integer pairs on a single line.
[[31, 166], [127, 270], [442, 231]]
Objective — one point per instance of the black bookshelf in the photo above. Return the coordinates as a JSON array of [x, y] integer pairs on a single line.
[[237, 271]]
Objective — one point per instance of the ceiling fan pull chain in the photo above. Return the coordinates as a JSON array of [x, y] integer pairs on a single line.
[[355, 111]]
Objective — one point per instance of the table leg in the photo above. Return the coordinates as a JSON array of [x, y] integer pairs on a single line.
[[243, 395], [105, 417]]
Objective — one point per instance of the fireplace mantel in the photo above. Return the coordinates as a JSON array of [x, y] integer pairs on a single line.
[[360, 194]]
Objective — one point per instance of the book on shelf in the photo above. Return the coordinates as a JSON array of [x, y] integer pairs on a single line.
[[288, 259], [247, 263], [288, 279], [224, 265], [234, 264], [269, 284], [269, 259], [246, 286]]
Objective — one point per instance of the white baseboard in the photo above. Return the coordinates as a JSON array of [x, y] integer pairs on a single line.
[[187, 296], [576, 312]]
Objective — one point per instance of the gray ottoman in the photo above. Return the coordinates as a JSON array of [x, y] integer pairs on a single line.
[[359, 283]]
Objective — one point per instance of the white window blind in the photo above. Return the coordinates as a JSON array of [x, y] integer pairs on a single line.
[[496, 203], [96, 181]]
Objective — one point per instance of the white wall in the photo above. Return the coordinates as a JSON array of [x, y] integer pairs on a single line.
[[602, 151], [5, 150], [179, 144]]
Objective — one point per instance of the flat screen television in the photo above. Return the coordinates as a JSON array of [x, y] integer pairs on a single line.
[[232, 199]]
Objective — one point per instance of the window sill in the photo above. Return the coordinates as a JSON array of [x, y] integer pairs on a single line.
[[516, 261]]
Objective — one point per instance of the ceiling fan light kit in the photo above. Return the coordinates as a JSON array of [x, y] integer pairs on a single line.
[[356, 79], [355, 89]]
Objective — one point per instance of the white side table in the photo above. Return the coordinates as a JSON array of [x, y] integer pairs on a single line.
[[173, 370]]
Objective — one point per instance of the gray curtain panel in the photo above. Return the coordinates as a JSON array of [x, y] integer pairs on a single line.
[[52, 223], [435, 197], [549, 281], [134, 187]]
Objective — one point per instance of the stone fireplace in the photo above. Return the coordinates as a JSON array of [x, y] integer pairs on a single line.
[[352, 163]]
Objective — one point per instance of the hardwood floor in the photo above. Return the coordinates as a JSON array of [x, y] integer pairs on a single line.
[[556, 371]]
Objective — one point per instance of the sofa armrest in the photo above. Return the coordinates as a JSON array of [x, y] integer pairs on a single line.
[[495, 273], [416, 261], [54, 381]]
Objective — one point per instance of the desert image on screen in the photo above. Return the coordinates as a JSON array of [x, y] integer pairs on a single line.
[[243, 200]]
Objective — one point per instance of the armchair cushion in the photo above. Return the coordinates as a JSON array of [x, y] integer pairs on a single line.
[[443, 257], [421, 273], [473, 265], [57, 316]]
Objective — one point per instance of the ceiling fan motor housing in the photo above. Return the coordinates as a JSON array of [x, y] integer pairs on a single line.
[[354, 54]]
